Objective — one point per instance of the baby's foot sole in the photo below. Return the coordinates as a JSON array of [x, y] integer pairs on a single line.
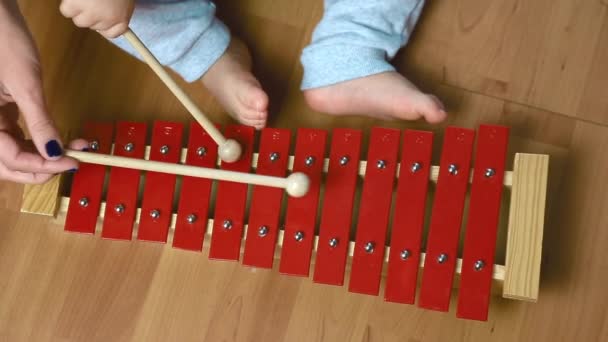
[[385, 96]]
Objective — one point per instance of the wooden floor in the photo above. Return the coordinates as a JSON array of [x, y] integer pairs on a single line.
[[539, 66]]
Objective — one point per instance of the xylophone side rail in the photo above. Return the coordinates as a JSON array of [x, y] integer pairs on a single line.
[[44, 199], [498, 273], [525, 228]]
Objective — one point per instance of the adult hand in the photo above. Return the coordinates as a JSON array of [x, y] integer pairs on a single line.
[[21, 87]]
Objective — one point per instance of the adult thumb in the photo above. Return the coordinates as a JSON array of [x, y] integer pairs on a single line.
[[29, 98]]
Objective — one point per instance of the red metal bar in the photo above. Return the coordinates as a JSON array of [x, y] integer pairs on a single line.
[[124, 183], [87, 184], [157, 206], [336, 216], [482, 225], [368, 256], [266, 201], [231, 201], [193, 210], [446, 219], [408, 224], [302, 212]]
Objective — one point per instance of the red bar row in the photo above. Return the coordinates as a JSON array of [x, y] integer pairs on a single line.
[[338, 202]]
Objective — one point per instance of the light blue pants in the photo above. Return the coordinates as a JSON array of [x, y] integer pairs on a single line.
[[355, 38]]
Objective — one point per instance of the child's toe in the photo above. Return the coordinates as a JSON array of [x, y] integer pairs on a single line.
[[253, 97], [432, 109]]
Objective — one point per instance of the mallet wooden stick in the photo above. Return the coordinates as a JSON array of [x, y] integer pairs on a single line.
[[296, 185], [228, 149]]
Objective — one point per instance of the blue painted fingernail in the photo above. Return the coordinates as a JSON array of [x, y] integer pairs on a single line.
[[72, 170], [53, 149]]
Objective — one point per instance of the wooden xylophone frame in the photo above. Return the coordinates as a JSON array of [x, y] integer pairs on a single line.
[[517, 279]]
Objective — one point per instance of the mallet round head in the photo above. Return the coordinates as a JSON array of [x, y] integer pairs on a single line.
[[297, 184], [230, 151]]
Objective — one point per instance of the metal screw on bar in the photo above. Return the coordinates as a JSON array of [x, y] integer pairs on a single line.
[[84, 202], [453, 169], [227, 224], [129, 147], [155, 213], [490, 172], [164, 149], [299, 236], [94, 145], [309, 161], [416, 167], [404, 254], [333, 242], [191, 218], [274, 156], [201, 151], [479, 264], [119, 208], [369, 247], [442, 258], [263, 231], [344, 160], [381, 164]]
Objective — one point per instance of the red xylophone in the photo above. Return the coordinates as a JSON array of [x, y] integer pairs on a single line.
[[396, 175]]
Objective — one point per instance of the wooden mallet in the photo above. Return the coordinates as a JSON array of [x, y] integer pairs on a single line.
[[229, 150]]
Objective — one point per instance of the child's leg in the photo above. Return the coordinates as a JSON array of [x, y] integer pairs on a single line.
[[346, 69], [187, 37]]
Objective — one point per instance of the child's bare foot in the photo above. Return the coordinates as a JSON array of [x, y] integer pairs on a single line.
[[385, 95], [230, 80]]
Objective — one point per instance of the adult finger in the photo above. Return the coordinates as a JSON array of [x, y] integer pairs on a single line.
[[14, 158], [79, 144], [5, 97], [23, 177], [10, 126], [28, 96]]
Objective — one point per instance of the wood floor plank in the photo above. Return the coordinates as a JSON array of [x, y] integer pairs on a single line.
[[593, 105], [537, 53]]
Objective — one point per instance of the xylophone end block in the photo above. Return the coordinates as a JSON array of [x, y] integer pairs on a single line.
[[525, 229], [42, 199]]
